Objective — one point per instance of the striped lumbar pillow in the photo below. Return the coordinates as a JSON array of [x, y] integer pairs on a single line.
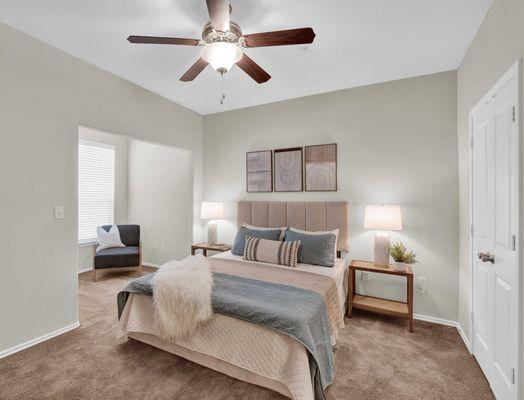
[[271, 251]]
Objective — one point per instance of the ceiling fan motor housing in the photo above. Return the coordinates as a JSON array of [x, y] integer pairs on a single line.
[[211, 35]]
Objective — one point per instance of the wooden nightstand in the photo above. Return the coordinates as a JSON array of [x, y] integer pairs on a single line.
[[211, 247], [375, 304]]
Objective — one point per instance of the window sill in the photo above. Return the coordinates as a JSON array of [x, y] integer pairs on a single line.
[[88, 243]]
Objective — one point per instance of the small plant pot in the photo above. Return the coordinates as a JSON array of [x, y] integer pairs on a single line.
[[399, 266]]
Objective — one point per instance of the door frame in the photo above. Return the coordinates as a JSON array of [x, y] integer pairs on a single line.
[[513, 72]]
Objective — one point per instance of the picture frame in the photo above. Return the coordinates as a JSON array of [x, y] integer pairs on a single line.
[[321, 168], [259, 171], [288, 170]]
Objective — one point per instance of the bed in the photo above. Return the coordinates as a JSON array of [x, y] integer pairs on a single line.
[[243, 350]]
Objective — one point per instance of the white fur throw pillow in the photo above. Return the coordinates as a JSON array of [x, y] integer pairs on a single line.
[[272, 251], [182, 296], [107, 240]]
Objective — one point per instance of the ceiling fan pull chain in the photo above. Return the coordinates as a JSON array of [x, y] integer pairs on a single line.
[[222, 90]]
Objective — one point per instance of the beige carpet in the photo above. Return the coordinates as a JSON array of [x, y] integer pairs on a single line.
[[376, 358]]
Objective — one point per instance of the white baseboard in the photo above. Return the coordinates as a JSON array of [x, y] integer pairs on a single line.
[[85, 270], [435, 320], [40, 339], [149, 264], [446, 322], [464, 338]]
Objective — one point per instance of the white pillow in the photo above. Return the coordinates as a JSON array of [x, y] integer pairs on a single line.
[[333, 232], [108, 240], [261, 228]]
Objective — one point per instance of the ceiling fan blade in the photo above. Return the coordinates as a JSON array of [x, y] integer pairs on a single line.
[[219, 14], [253, 69], [280, 38], [163, 40], [195, 69]]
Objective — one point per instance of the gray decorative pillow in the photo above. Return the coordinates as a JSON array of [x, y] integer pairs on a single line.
[[317, 249], [262, 228], [240, 239], [272, 251]]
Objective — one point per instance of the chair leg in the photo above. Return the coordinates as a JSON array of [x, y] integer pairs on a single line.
[[94, 263], [139, 269]]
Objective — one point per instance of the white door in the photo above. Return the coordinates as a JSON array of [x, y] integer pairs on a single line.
[[495, 229]]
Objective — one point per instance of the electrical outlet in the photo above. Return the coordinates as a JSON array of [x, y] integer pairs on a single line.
[[162, 246], [154, 245], [422, 283]]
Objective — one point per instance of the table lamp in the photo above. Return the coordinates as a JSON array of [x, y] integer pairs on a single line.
[[212, 211], [382, 218]]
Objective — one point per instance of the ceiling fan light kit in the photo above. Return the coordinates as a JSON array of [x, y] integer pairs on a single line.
[[221, 55], [222, 40]]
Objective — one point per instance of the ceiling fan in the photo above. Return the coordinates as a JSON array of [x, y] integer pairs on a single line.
[[222, 40]]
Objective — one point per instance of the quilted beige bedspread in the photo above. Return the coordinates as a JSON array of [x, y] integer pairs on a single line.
[[229, 345]]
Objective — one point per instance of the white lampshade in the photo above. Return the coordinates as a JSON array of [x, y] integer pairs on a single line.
[[212, 210], [221, 55], [383, 218]]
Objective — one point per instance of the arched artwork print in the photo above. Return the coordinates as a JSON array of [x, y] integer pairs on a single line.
[[288, 170]]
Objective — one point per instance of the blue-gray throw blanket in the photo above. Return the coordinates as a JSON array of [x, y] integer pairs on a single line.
[[298, 313]]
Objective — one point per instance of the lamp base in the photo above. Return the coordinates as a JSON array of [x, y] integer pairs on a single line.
[[381, 249], [212, 233]]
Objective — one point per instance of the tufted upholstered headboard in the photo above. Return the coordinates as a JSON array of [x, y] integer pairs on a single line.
[[305, 215]]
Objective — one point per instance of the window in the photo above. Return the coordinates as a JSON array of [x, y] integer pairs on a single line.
[[96, 183]]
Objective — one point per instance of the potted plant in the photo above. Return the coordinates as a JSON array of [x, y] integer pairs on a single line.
[[402, 256]]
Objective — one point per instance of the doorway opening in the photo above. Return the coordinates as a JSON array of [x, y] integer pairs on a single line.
[[121, 181]]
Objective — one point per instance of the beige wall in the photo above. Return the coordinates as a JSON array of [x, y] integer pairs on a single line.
[[397, 143], [45, 95], [121, 144], [159, 181], [499, 44]]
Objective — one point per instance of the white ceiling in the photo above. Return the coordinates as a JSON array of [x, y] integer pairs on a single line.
[[358, 42]]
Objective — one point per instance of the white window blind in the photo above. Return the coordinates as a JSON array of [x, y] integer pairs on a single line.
[[96, 183]]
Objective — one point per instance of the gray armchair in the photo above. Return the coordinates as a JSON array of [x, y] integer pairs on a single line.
[[120, 257]]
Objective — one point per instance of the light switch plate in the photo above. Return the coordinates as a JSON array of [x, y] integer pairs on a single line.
[[59, 212]]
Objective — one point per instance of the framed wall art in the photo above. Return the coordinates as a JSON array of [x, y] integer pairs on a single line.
[[321, 168], [288, 170], [259, 171]]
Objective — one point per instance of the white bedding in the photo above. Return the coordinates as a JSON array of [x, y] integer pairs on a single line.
[[245, 351]]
